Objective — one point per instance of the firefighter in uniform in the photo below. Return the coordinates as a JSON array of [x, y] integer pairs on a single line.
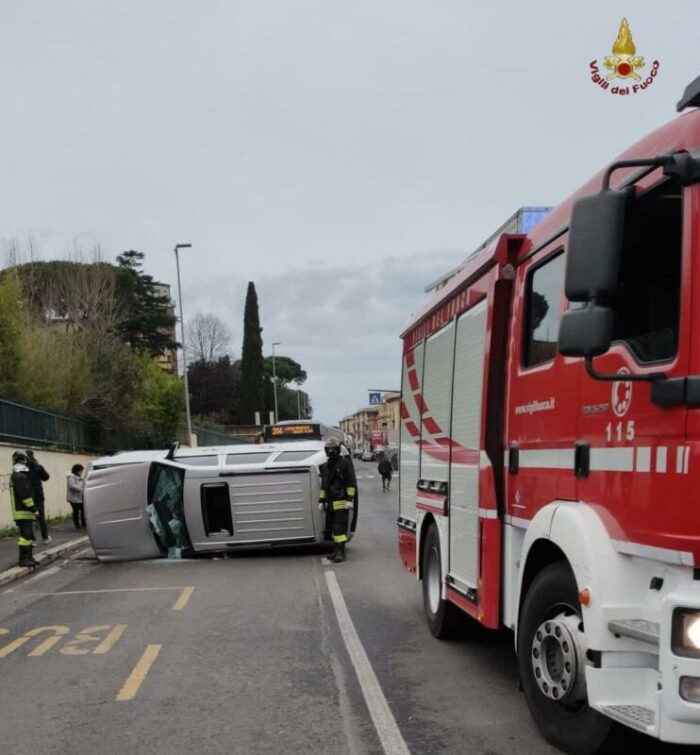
[[338, 488], [23, 508]]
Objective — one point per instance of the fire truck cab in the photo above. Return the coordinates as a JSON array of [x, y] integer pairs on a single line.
[[550, 448]]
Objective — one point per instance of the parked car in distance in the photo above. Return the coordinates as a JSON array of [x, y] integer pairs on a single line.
[[367, 456]]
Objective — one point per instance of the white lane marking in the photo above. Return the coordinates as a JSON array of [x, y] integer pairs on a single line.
[[41, 575], [384, 722]]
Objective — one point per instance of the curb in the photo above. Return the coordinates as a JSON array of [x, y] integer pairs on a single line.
[[45, 557]]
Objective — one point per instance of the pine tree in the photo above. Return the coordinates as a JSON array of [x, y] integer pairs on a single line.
[[252, 390], [148, 323]]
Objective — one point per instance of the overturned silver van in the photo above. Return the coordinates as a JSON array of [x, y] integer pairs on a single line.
[[146, 504]]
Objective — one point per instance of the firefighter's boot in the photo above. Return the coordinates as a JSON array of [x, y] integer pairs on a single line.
[[339, 555], [25, 556]]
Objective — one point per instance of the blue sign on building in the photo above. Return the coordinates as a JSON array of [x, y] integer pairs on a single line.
[[375, 397]]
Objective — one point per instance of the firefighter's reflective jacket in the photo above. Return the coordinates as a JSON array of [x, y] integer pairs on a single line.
[[21, 494], [338, 480]]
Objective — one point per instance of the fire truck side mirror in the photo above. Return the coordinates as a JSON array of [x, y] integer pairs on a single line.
[[595, 246], [586, 332]]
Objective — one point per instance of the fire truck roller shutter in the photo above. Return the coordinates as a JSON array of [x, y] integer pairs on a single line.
[[437, 404], [466, 434], [410, 432]]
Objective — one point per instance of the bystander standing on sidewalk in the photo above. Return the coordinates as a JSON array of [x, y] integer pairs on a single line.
[[37, 476], [74, 494]]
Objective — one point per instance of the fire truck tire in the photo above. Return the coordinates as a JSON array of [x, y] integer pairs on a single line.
[[551, 657], [442, 615]]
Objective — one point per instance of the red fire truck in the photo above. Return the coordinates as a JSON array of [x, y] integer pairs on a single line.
[[550, 448]]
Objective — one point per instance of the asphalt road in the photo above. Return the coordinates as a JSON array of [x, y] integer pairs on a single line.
[[253, 654]]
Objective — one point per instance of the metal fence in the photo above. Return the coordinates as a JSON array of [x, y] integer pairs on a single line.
[[27, 425]]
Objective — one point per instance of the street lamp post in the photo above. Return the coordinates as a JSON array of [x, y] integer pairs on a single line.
[[298, 408], [274, 375], [184, 354]]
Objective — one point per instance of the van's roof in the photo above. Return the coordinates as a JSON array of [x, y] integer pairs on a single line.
[[182, 454]]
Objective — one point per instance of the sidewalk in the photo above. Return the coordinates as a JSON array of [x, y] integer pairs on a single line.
[[61, 533]]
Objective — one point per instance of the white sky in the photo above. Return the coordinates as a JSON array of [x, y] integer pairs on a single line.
[[339, 154]]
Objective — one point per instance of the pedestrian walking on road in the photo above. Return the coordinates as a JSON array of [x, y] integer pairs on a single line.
[[38, 476], [23, 508], [74, 494], [384, 469], [337, 496]]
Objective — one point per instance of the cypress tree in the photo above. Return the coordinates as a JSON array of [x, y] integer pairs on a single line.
[[252, 390]]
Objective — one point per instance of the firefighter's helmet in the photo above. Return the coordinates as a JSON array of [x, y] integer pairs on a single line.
[[19, 457]]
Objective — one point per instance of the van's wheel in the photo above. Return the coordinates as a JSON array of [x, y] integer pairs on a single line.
[[551, 659], [442, 615]]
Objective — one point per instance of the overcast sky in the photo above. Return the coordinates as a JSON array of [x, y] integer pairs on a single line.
[[341, 154]]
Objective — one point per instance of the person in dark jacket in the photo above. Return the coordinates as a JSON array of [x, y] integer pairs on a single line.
[[337, 496], [384, 469], [23, 508], [38, 476]]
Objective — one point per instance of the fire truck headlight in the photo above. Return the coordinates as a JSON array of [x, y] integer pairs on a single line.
[[685, 636], [689, 688]]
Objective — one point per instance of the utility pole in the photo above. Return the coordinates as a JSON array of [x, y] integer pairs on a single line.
[[184, 353], [274, 376]]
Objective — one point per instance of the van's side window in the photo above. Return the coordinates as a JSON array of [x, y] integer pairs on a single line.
[[543, 311], [647, 305]]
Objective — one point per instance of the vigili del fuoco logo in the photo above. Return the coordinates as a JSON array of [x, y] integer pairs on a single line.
[[624, 64]]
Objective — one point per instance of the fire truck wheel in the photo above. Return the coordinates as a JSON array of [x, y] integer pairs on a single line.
[[551, 658], [442, 615]]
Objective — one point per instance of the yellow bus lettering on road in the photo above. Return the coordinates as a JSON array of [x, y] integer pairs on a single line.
[[103, 637], [47, 644], [94, 634], [108, 643]]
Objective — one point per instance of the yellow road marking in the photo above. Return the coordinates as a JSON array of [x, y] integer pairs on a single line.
[[108, 643], [47, 644], [184, 598], [115, 589], [84, 636], [137, 676]]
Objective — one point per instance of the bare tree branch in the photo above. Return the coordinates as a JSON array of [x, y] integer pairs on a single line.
[[208, 338]]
